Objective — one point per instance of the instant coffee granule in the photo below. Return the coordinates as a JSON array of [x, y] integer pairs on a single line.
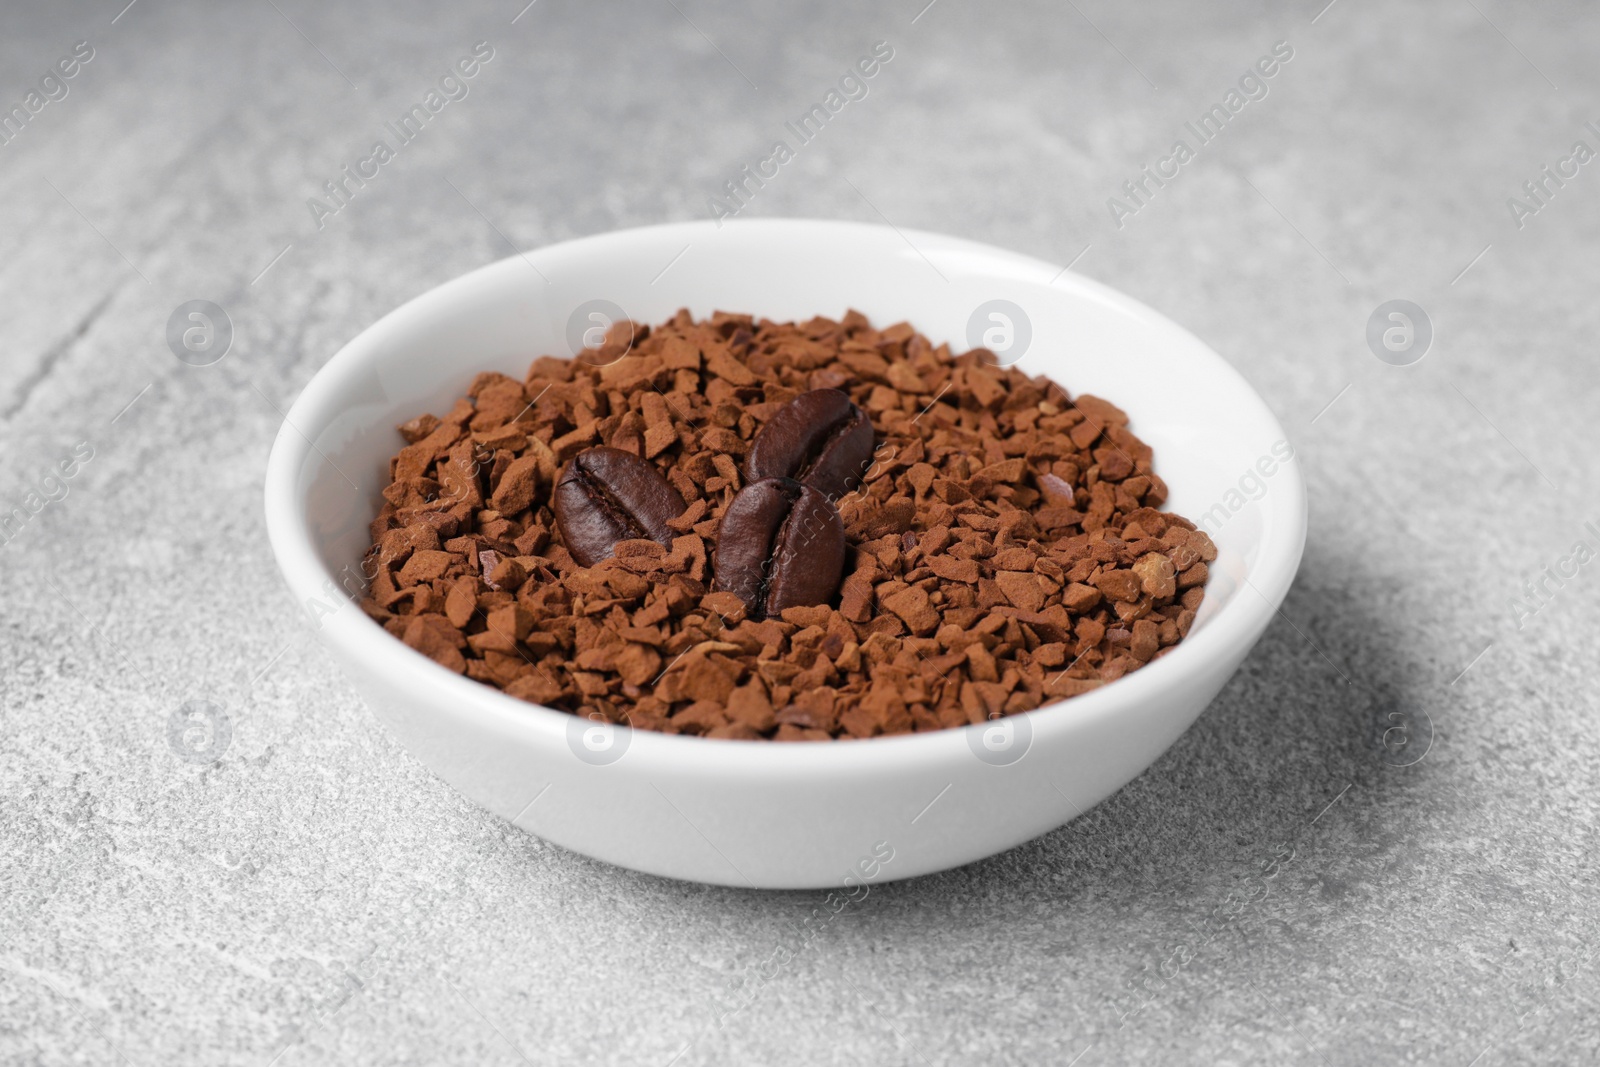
[[998, 549]]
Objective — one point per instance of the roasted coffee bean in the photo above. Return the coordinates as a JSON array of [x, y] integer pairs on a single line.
[[606, 495], [781, 545], [820, 439]]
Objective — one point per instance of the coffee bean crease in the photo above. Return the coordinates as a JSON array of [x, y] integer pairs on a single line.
[[820, 439], [781, 545], [606, 495]]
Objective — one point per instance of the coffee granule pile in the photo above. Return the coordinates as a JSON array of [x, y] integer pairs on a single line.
[[1001, 544]]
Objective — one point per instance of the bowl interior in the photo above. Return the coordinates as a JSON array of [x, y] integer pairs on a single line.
[[1219, 449]]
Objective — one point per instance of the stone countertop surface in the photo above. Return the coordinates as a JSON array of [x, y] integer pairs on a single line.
[[1280, 887]]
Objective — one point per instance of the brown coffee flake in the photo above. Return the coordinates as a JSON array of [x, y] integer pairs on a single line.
[[1157, 576], [1123, 585], [1021, 589], [422, 634]]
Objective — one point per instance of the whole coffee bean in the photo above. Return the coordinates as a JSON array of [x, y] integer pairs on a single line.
[[780, 545], [606, 495], [820, 439]]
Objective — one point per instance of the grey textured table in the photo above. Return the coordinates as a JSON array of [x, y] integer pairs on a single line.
[[1281, 887]]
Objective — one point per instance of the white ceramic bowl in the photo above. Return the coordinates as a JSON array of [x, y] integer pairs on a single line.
[[757, 813]]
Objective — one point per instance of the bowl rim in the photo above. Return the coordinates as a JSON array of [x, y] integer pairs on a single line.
[[363, 641]]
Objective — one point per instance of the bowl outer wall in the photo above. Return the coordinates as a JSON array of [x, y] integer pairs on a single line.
[[755, 813]]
